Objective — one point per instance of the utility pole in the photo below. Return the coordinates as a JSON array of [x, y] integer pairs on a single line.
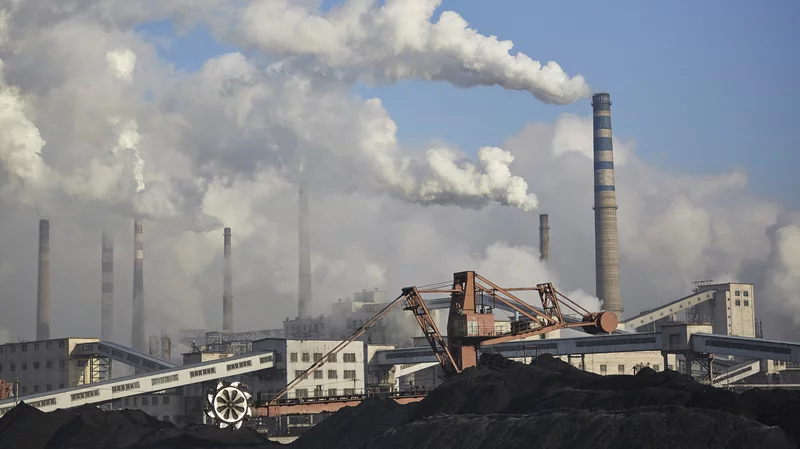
[[16, 394]]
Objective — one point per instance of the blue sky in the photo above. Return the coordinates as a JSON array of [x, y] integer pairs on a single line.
[[702, 86]]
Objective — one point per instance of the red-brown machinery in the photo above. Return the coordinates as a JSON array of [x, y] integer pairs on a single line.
[[6, 390], [470, 323]]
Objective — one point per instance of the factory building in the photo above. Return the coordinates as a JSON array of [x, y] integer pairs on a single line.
[[731, 312], [46, 365]]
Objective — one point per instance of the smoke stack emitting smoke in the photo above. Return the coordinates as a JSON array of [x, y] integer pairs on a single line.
[[227, 284], [544, 237], [107, 298], [138, 337], [605, 209], [43, 293], [304, 284]]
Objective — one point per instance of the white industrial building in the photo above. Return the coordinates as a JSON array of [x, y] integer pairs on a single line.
[[47, 365]]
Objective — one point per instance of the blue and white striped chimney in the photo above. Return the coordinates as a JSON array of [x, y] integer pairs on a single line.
[[605, 208]]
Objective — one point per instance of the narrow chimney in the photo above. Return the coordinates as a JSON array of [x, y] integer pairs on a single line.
[[166, 347], [107, 298], [227, 284], [544, 237], [304, 286], [43, 293], [605, 209], [138, 337]]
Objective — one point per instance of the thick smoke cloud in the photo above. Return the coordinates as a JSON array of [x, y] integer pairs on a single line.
[[85, 102]]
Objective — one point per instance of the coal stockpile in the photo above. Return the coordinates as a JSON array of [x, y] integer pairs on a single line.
[[550, 404], [91, 428]]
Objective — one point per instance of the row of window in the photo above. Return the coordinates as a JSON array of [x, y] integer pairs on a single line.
[[318, 392], [620, 369], [36, 346], [36, 365], [146, 400], [348, 357], [37, 388], [739, 293], [739, 303], [332, 374]]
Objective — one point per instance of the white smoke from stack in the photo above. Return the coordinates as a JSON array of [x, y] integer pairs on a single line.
[[782, 280], [397, 40], [122, 63], [20, 141]]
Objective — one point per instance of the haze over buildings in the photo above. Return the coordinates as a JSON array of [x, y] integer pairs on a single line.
[[216, 144]]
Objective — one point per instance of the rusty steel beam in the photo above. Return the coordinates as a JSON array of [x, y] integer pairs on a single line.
[[313, 408]]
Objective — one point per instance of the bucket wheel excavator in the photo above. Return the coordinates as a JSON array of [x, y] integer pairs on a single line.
[[470, 321]]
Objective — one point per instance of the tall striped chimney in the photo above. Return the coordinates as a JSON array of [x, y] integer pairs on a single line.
[[138, 337], [43, 290], [605, 209], [304, 284], [544, 237], [107, 298], [227, 284]]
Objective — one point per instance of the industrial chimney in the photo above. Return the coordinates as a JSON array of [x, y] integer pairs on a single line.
[[544, 237], [304, 286], [107, 298], [227, 284], [43, 293], [605, 209], [138, 338]]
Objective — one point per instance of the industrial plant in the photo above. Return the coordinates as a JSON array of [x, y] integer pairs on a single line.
[[399, 345]]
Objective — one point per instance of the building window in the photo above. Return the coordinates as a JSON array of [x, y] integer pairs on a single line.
[[35, 365], [317, 357], [36, 346], [332, 374], [746, 303], [306, 357], [746, 293], [60, 386], [318, 374], [349, 357], [738, 293], [24, 389], [166, 400], [738, 302], [13, 349], [127, 402], [655, 367], [298, 373], [301, 393], [61, 363], [349, 391], [293, 357], [35, 388], [332, 358], [278, 357], [49, 345], [621, 369], [13, 367], [145, 400], [61, 344], [24, 367], [155, 400], [135, 402], [350, 374], [49, 388], [24, 348], [49, 364], [331, 391]]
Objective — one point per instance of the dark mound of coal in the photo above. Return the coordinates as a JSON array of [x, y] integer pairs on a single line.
[[89, 427], [554, 405]]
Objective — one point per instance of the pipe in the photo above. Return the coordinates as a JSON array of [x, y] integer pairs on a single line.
[[43, 290], [227, 284], [544, 237], [304, 282], [107, 298], [605, 209], [138, 338]]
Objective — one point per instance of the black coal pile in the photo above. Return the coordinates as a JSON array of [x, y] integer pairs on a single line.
[[91, 428], [550, 404]]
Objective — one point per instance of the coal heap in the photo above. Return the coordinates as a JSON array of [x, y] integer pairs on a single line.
[[89, 428], [550, 404]]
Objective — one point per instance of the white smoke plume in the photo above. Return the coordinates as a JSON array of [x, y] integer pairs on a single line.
[[223, 143], [122, 63], [397, 40]]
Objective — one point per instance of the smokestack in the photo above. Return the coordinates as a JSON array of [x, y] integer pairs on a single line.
[[107, 298], [605, 209], [154, 347], [227, 284], [138, 338], [43, 291], [166, 347], [304, 286], [544, 237]]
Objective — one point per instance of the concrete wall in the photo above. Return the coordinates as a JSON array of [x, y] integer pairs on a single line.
[[732, 309], [44, 365]]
